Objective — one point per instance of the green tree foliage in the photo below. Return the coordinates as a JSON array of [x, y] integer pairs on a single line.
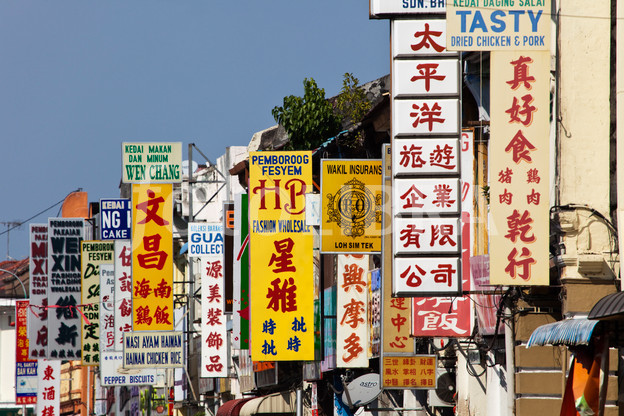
[[352, 103], [310, 120]]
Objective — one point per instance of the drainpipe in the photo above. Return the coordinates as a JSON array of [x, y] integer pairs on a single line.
[[509, 362], [619, 90]]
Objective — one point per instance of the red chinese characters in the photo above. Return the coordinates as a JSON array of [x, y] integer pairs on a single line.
[[352, 311]]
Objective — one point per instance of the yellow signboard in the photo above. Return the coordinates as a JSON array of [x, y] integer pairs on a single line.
[[281, 259], [152, 257], [415, 372], [493, 25], [351, 206], [92, 255], [519, 168]]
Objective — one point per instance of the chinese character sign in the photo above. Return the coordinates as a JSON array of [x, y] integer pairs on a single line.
[[64, 295], [416, 372], [107, 308], [152, 257], [352, 311], [351, 206], [519, 168], [38, 319], [49, 388], [25, 369], [93, 255], [281, 257], [123, 290], [214, 336], [474, 27]]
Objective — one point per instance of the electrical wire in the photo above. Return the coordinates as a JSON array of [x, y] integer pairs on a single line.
[[39, 213]]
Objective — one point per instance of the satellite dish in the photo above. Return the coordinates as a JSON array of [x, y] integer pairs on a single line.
[[362, 390], [185, 167]]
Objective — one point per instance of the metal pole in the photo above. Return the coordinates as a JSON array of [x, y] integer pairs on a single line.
[[509, 362], [191, 276], [299, 402]]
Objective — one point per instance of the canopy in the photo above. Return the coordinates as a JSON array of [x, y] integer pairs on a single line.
[[567, 332], [609, 307], [232, 407], [271, 404]]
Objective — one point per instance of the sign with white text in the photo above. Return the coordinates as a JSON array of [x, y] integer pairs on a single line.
[[115, 219], [205, 239], [153, 350]]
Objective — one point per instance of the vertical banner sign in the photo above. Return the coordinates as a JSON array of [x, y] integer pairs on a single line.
[[214, 335], [152, 257], [123, 290], [115, 219], [484, 25], [240, 321], [374, 308], [396, 311], [228, 254], [519, 195], [64, 319], [107, 307], [352, 311], [351, 206], [93, 255], [38, 315], [49, 387], [425, 160], [282, 302], [25, 369]]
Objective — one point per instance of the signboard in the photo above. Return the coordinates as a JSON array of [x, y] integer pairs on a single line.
[[374, 315], [25, 369], [281, 261], [112, 372], [213, 323], [38, 315], [416, 372], [49, 387], [152, 257], [519, 168], [240, 321], [64, 294], [151, 162], [351, 206], [123, 290], [93, 255], [430, 156], [205, 239], [107, 308], [153, 350], [416, 77], [115, 219], [485, 25], [389, 8], [419, 38], [352, 311], [432, 276]]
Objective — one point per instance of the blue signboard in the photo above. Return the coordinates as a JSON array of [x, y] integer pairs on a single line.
[[115, 219]]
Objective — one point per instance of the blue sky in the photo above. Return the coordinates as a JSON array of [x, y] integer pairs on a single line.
[[78, 77]]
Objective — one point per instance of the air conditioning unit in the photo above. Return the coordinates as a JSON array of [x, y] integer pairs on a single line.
[[444, 394]]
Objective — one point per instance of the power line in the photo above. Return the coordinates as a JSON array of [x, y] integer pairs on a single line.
[[19, 224]]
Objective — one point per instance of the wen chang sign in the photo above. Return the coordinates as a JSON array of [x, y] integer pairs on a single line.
[[151, 162]]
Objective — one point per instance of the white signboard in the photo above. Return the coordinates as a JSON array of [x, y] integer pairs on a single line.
[[419, 38], [151, 162], [112, 372], [437, 157], [425, 77], [38, 315], [424, 117], [352, 311], [418, 276], [214, 332], [107, 307], [426, 235], [64, 287], [123, 290], [49, 387], [153, 349], [205, 239], [426, 196], [389, 8]]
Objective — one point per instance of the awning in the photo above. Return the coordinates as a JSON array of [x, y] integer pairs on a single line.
[[271, 404], [609, 307], [232, 407], [567, 332]]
